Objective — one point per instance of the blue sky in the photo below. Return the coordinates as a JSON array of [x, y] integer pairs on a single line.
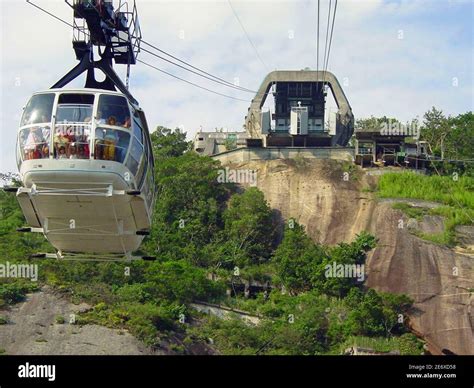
[[381, 74]]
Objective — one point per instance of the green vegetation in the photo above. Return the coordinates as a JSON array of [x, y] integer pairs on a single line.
[[301, 263], [230, 144], [406, 344], [444, 238], [449, 137], [411, 211], [308, 323], [201, 228], [454, 193], [148, 302], [168, 143], [249, 231], [444, 189], [14, 291], [352, 171]]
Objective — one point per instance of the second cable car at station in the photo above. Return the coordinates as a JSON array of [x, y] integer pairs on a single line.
[[84, 155]]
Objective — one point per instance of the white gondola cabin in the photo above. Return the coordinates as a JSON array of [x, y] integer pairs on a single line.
[[86, 165]]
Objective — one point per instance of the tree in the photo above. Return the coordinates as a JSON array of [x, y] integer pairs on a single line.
[[394, 310], [307, 334], [302, 265], [460, 140], [375, 314], [10, 178], [189, 205], [297, 258], [434, 130], [249, 230], [190, 200], [179, 281], [366, 317], [167, 142]]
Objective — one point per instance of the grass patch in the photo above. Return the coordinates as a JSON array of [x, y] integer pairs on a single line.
[[410, 211], [446, 238], [406, 344], [456, 197], [350, 169], [452, 218], [443, 189]]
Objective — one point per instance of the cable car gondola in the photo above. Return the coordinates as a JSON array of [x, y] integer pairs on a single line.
[[84, 155]]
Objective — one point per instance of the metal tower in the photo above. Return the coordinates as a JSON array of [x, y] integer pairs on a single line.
[[115, 32]]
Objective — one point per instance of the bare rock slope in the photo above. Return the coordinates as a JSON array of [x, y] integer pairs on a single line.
[[32, 329]]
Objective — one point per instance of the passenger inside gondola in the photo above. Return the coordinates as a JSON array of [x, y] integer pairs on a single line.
[[34, 144], [115, 109], [82, 152], [112, 120], [61, 140], [99, 118], [45, 151], [110, 139], [73, 151], [99, 143], [82, 139], [62, 153]]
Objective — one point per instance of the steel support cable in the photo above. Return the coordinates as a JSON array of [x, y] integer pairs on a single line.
[[247, 35], [197, 68], [317, 41], [330, 38], [190, 83], [326, 43], [147, 64]]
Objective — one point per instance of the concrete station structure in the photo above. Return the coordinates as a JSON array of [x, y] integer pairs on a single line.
[[301, 124]]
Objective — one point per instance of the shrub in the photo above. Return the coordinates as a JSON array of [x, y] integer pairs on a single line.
[[15, 292]]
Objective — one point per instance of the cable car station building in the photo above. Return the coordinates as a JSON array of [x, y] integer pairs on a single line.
[[381, 147], [298, 118]]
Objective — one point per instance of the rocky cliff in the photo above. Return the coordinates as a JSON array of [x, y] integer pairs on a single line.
[[335, 201]]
